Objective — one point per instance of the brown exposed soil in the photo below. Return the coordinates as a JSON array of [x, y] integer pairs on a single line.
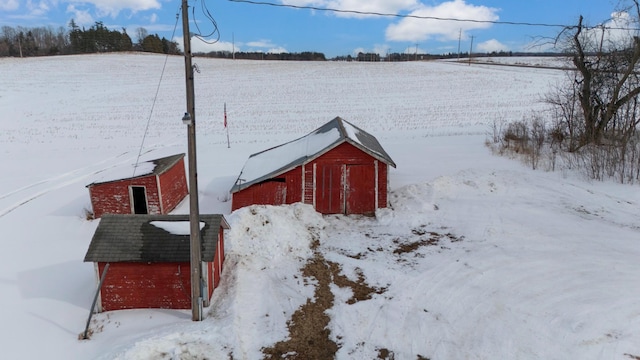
[[309, 337], [385, 354], [433, 239], [308, 332], [361, 290]]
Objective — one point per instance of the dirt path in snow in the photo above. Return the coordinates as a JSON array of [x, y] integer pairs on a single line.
[[309, 336]]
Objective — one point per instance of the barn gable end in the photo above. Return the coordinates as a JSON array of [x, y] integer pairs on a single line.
[[338, 168], [160, 187]]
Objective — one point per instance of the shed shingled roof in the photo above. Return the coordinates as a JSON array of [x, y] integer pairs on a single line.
[[133, 238], [159, 167], [280, 159]]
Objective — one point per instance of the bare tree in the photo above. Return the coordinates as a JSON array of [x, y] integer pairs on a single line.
[[141, 34], [606, 80]]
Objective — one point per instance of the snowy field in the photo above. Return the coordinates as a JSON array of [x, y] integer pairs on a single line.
[[478, 256]]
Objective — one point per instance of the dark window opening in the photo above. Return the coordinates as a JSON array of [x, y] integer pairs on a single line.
[[139, 195]]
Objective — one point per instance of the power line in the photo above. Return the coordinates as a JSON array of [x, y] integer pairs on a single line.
[[215, 33], [155, 98], [371, 13]]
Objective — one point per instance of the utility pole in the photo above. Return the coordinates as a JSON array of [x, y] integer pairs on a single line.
[[459, 37], [194, 211], [471, 50], [416, 52]]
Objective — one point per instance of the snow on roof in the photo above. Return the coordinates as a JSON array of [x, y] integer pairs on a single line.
[[277, 160], [151, 238], [176, 227], [126, 171], [129, 171], [284, 157]]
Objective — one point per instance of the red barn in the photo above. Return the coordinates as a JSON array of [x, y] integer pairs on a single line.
[[159, 186], [149, 260], [338, 168]]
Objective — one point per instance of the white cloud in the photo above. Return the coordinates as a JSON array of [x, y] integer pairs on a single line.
[[491, 46], [9, 5], [153, 18], [376, 6], [261, 44], [381, 49], [615, 36], [113, 7], [81, 17], [198, 46], [37, 8], [278, 50], [411, 29]]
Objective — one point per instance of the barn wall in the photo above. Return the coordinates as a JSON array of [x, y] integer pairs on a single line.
[[383, 183], [142, 285], [149, 286], [335, 161], [113, 197], [218, 261], [271, 192], [173, 186]]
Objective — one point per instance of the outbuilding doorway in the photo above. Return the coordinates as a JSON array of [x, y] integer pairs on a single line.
[[139, 200], [360, 189]]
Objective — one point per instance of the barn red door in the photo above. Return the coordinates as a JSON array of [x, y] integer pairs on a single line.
[[271, 193], [360, 188], [330, 190]]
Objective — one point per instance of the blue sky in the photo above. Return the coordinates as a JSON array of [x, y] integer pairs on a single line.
[[252, 27]]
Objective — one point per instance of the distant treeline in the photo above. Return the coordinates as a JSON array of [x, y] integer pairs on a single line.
[[45, 41], [302, 56], [375, 57], [368, 57]]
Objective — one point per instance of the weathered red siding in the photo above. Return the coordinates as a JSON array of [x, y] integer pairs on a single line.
[[344, 181], [383, 183], [329, 187], [141, 285], [360, 189], [173, 186], [164, 192], [217, 263], [148, 286], [114, 198], [287, 189]]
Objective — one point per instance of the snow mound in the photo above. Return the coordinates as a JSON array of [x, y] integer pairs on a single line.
[[294, 227]]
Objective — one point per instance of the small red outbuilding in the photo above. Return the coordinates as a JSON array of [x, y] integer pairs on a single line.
[[149, 260], [156, 187], [338, 168]]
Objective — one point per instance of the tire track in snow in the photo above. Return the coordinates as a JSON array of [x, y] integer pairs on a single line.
[[59, 181]]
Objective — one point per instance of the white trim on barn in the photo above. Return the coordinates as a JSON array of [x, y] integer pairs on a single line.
[[160, 194], [376, 190], [315, 185]]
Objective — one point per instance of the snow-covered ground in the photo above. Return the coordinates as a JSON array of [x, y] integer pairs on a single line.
[[478, 256]]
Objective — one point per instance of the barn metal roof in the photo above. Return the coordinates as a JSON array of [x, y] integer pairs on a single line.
[[151, 238], [146, 168], [280, 159]]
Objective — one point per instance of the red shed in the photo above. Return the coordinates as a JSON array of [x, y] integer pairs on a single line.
[[156, 187], [338, 168], [149, 260]]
